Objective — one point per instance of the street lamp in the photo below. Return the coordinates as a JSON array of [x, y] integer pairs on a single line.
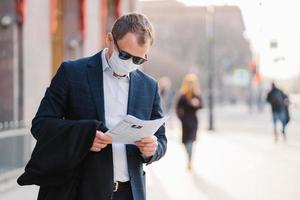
[[210, 11]]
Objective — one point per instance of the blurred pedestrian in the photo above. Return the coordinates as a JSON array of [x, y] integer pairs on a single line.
[[279, 102], [167, 93], [189, 102]]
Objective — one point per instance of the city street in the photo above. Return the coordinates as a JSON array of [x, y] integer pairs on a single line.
[[225, 62], [239, 161]]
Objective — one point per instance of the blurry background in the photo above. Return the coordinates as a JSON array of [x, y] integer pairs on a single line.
[[236, 48]]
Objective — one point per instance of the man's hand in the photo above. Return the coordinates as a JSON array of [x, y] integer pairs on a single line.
[[147, 146], [101, 141]]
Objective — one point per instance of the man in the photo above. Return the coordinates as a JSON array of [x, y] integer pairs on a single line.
[[279, 104], [73, 157]]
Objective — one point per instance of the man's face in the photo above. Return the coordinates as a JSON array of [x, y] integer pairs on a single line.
[[129, 44]]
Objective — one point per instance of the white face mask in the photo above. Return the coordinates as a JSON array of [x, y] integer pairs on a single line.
[[119, 66]]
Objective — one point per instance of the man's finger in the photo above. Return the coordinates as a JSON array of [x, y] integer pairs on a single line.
[[96, 145], [99, 134], [150, 144], [142, 145], [99, 145], [148, 149], [148, 139], [103, 137], [99, 140], [94, 149], [139, 143], [148, 153]]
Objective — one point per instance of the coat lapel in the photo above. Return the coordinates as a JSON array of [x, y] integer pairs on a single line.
[[135, 82], [95, 79]]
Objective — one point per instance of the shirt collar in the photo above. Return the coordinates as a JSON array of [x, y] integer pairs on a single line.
[[106, 67]]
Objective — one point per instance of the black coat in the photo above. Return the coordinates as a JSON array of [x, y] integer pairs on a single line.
[[187, 115], [65, 126], [277, 99], [282, 105]]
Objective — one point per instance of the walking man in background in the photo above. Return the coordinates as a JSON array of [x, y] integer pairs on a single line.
[[279, 103], [74, 159]]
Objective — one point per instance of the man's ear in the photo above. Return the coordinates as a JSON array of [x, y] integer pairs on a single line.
[[109, 39], [109, 43]]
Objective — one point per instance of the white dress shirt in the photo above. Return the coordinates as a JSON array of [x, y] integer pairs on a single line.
[[115, 106]]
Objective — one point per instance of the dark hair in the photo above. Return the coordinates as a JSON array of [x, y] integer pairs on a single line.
[[134, 23]]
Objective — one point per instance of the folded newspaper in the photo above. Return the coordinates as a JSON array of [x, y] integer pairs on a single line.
[[131, 129]]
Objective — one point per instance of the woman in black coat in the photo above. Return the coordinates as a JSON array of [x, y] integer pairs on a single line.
[[188, 103]]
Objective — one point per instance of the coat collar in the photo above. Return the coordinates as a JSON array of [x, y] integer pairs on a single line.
[[95, 79], [135, 84]]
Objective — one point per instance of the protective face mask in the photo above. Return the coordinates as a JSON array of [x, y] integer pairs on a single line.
[[119, 66]]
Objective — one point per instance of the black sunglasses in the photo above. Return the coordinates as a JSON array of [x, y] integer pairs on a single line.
[[125, 56]]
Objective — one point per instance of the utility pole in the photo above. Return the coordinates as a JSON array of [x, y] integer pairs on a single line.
[[210, 11]]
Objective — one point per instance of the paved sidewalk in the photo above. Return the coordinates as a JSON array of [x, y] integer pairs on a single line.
[[239, 161]]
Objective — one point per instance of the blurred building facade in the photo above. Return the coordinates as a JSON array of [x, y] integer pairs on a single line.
[[182, 41], [35, 37]]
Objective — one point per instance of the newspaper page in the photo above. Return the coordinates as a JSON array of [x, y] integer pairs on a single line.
[[132, 129]]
